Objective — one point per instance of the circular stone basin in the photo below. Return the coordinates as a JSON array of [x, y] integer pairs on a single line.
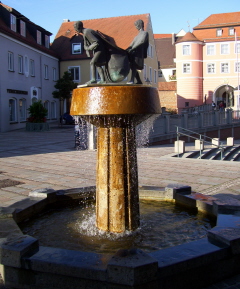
[[163, 224]]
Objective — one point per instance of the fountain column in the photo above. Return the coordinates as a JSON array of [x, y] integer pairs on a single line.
[[116, 110]]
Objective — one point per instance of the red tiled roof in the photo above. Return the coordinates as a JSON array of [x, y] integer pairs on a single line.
[[165, 86], [121, 31], [187, 37], [220, 20], [165, 52], [207, 30], [157, 36]]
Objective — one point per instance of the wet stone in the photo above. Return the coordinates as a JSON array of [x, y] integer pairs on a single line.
[[227, 236], [12, 249]]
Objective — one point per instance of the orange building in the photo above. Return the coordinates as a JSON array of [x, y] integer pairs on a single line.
[[207, 62]]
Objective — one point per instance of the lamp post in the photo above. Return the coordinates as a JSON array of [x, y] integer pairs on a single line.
[[227, 90]]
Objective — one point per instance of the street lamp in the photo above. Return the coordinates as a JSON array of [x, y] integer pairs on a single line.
[[226, 89]]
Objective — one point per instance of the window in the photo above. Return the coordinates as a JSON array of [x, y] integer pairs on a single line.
[[20, 64], [34, 99], [46, 105], [237, 47], [76, 48], [159, 73], [155, 76], [32, 67], [186, 68], [145, 71], [26, 66], [211, 68], [231, 31], [237, 66], [224, 49], [22, 28], [75, 72], [219, 32], [39, 37], [150, 51], [13, 22], [10, 61], [53, 109], [186, 49], [224, 67], [47, 41], [54, 74], [186, 104], [46, 71], [12, 110], [22, 109], [150, 74], [210, 49]]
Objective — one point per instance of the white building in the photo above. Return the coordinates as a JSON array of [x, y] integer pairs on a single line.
[[28, 71]]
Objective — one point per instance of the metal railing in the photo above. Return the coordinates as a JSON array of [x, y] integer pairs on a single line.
[[201, 139]]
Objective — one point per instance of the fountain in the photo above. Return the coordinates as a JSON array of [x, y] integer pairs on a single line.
[[116, 110]]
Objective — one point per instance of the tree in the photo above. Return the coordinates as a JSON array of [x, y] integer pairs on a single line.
[[64, 87]]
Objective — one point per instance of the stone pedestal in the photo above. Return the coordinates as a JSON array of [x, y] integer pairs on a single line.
[[215, 142], [179, 146], [199, 144], [230, 141], [116, 110]]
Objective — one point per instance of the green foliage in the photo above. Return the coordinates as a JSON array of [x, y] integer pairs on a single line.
[[37, 112], [171, 110], [64, 86]]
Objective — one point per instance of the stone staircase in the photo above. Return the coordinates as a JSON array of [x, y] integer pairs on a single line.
[[230, 153]]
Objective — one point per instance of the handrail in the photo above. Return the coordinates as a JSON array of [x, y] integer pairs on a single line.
[[202, 141]]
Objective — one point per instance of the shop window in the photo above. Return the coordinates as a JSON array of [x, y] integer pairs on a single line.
[[22, 109]]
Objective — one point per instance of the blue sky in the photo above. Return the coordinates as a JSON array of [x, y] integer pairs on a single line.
[[167, 16]]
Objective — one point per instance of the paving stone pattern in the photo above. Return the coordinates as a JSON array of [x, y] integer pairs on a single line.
[[35, 160]]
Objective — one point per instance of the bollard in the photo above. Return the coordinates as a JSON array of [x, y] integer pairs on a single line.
[[179, 146], [230, 141], [215, 142]]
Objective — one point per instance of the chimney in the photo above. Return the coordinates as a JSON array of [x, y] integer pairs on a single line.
[[173, 38], [66, 20]]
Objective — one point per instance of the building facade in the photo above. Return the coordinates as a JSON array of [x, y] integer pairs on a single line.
[[29, 69], [207, 63]]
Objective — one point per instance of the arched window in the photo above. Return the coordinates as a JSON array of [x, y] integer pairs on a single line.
[[34, 99], [22, 109], [12, 110], [53, 110]]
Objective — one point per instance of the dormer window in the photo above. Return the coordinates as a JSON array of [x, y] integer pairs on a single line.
[[22, 28], [47, 41], [39, 37], [76, 48], [13, 22], [219, 32], [231, 31]]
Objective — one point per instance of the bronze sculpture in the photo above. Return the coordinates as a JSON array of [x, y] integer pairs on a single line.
[[93, 42], [115, 60], [138, 51]]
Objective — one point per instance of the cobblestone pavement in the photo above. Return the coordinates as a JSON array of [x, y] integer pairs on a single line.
[[49, 160]]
